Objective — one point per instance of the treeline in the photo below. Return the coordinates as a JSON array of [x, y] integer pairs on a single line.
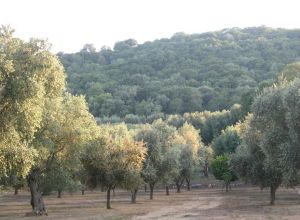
[[186, 73]]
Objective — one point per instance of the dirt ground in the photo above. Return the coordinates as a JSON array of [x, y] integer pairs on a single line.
[[204, 204]]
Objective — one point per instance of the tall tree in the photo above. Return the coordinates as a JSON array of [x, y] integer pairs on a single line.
[[151, 172], [39, 123], [190, 153], [66, 127], [29, 75]]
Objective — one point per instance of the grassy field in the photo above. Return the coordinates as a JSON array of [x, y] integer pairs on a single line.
[[239, 203]]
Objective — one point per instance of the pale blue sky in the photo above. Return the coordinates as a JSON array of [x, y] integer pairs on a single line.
[[69, 24]]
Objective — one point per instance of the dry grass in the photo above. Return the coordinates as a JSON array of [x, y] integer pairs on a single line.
[[204, 204]]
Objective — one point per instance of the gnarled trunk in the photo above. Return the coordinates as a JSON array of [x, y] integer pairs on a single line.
[[227, 186], [17, 187], [151, 190], [16, 190], [167, 190], [37, 202], [178, 185], [188, 181], [59, 194], [133, 195], [273, 189], [108, 199], [205, 168]]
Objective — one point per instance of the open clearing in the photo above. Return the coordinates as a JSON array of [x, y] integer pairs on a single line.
[[240, 203]]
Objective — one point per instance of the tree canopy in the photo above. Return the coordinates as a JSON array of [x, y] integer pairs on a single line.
[[185, 73], [40, 124], [268, 155]]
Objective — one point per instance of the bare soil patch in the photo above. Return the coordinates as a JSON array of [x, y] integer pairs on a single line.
[[204, 204]]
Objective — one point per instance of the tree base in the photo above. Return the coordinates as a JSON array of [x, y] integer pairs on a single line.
[[41, 213]]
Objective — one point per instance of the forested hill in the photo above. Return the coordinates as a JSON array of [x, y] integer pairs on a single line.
[[186, 73]]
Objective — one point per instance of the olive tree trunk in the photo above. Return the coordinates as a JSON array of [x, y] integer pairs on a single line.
[[59, 193], [205, 168], [108, 198], [227, 186], [17, 187], [133, 195], [151, 190], [273, 189], [37, 202], [167, 191], [16, 191], [178, 185], [188, 181]]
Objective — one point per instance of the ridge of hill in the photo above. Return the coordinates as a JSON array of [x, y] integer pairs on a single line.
[[186, 73]]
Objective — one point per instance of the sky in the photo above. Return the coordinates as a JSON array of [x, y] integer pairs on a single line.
[[69, 24]]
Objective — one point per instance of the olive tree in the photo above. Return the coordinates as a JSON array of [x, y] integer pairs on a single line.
[[222, 171], [171, 166], [269, 152], [111, 159], [66, 127], [29, 75], [161, 164], [39, 122], [152, 169], [191, 151]]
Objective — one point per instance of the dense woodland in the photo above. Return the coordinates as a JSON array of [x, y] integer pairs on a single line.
[[223, 103], [186, 73]]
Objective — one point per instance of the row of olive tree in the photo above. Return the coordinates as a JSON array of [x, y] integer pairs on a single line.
[[173, 155], [152, 153], [49, 138]]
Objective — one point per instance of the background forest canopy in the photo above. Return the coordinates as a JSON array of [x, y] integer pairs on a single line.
[[138, 83]]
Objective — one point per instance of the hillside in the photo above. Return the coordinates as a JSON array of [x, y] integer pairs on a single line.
[[186, 73]]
